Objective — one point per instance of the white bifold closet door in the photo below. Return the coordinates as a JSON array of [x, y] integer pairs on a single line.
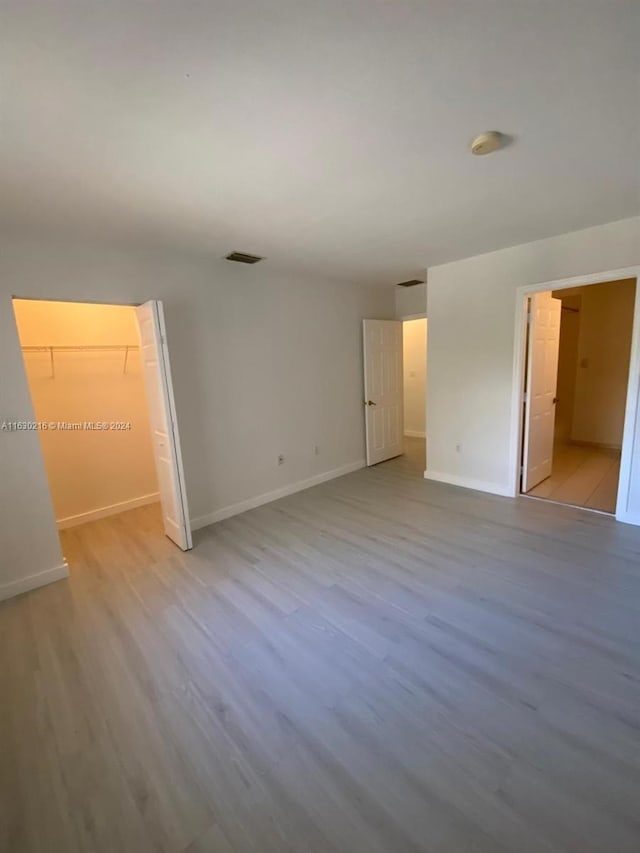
[[540, 390], [164, 428], [383, 389]]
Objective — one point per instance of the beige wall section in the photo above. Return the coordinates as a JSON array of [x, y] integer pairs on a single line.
[[90, 473], [472, 308], [263, 361], [45, 323], [604, 346], [415, 376]]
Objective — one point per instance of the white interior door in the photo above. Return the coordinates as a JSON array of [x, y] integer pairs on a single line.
[[383, 389], [540, 390], [164, 428]]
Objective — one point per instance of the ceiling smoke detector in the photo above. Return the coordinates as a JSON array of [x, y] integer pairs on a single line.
[[243, 258], [487, 142]]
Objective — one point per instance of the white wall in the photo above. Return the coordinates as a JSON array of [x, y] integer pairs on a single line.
[[604, 345], [411, 301], [91, 473], [263, 363], [472, 307], [414, 344]]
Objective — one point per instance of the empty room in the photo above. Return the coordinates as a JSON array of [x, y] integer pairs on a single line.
[[320, 426]]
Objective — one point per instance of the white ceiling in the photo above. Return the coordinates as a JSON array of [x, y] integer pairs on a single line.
[[328, 135]]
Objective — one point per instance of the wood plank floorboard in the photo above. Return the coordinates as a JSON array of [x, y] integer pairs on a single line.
[[380, 664]]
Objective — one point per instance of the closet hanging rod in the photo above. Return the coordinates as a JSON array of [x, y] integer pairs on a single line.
[[88, 348], [79, 348]]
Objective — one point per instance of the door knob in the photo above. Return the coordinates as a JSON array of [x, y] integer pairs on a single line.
[[369, 403]]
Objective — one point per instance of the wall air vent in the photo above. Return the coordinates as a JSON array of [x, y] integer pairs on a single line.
[[411, 283], [243, 258]]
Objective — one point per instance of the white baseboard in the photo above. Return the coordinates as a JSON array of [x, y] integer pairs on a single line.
[[469, 483], [267, 497], [412, 433], [105, 511], [8, 590], [629, 518], [597, 445]]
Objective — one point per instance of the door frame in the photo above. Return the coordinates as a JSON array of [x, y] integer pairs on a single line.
[[367, 392], [173, 433], [631, 418], [167, 380]]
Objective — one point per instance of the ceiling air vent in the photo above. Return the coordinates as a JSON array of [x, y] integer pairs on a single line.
[[243, 258], [411, 283]]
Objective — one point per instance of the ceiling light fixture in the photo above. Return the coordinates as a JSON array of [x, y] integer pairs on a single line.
[[487, 142]]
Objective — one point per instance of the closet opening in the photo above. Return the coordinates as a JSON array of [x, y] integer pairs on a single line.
[[100, 385], [577, 363]]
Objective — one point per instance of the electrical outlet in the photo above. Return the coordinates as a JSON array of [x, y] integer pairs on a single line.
[[316, 450], [281, 459], [458, 448]]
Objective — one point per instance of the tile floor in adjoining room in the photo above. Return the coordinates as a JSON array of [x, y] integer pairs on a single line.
[[582, 476]]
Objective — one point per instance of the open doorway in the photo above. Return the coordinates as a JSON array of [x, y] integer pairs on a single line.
[[577, 364], [414, 347], [395, 370], [100, 385]]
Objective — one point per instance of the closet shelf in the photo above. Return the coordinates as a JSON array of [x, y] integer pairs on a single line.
[[125, 348]]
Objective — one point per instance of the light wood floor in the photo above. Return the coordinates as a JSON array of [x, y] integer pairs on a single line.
[[582, 476], [380, 664]]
